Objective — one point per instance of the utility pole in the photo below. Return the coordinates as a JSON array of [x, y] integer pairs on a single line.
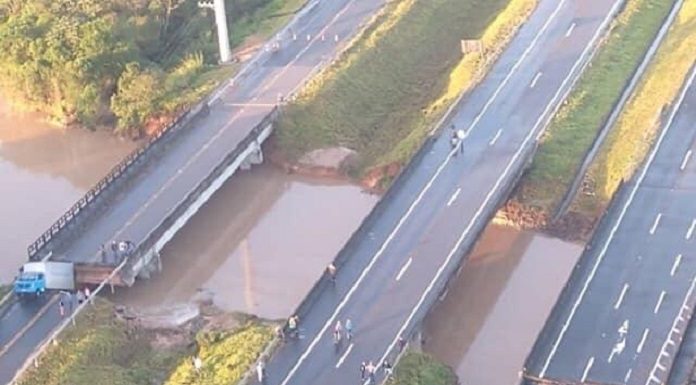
[[221, 20]]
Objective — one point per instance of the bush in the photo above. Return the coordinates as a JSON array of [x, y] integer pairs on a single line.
[[422, 369]]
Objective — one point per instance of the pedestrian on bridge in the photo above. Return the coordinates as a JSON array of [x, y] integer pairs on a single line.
[[261, 371], [460, 138], [363, 370]]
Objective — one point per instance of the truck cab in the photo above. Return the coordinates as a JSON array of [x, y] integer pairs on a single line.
[[30, 283]]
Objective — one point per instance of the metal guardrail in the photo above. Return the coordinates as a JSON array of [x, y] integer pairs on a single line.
[[115, 174], [153, 236]]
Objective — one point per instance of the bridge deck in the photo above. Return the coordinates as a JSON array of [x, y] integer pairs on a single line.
[[177, 167]]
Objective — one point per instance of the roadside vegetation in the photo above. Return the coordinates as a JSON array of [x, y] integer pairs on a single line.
[[120, 63], [636, 129], [416, 368], [574, 128], [104, 349], [381, 97]]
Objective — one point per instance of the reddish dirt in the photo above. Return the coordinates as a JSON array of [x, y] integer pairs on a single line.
[[572, 226]]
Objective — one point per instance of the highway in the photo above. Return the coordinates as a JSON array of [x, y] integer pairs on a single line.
[[623, 314], [398, 262], [170, 175]]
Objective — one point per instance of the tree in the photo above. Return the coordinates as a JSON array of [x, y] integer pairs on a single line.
[[136, 98]]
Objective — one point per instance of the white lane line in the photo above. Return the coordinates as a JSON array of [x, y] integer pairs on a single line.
[[403, 269], [495, 138], [677, 261], [570, 30], [615, 228], [539, 123], [517, 64], [685, 161], [343, 357], [659, 302], [590, 362], [454, 197], [642, 340], [621, 296], [655, 224], [690, 232], [231, 121], [628, 375], [535, 80]]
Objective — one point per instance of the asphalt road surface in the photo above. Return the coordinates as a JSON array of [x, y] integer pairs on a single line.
[[622, 315], [400, 264], [309, 43]]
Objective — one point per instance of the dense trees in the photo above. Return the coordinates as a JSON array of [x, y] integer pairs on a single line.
[[114, 62]]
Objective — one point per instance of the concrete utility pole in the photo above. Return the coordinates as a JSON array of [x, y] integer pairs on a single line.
[[221, 20]]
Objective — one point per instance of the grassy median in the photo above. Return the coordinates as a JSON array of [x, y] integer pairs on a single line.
[[416, 368], [103, 349], [382, 96], [637, 127], [577, 123]]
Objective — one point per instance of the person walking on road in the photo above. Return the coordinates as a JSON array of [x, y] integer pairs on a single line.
[[363, 369], [371, 372], [331, 270], [338, 328], [61, 308], [387, 367], [460, 139], [349, 329], [292, 326], [261, 371]]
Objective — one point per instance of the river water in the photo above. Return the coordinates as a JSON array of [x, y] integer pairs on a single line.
[[256, 247], [489, 319]]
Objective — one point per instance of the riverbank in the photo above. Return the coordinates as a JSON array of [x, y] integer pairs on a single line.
[[111, 345], [365, 101], [127, 67], [572, 131]]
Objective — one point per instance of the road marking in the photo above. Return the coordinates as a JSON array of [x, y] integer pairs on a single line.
[[603, 251], [642, 340], [628, 375], [28, 326], [691, 230], [677, 261], [617, 349], [504, 174], [536, 78], [659, 302], [590, 362], [685, 161], [454, 197], [621, 296], [570, 30], [233, 119], [367, 269], [495, 138], [404, 268], [657, 222], [343, 357]]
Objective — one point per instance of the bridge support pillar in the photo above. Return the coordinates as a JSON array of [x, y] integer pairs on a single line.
[[255, 157]]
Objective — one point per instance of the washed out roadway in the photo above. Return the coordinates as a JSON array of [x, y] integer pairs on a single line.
[[400, 263]]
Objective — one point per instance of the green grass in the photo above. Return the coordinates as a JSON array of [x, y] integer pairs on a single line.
[[103, 350], [574, 128], [4, 289], [636, 129], [422, 369], [382, 96]]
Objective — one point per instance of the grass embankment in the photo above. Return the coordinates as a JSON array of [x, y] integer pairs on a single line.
[[637, 127], [382, 96], [577, 123], [104, 350], [120, 63], [422, 369], [4, 289]]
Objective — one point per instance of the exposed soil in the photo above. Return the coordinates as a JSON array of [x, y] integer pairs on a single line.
[[572, 226]]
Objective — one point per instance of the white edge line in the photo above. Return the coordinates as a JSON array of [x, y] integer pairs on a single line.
[[644, 171]]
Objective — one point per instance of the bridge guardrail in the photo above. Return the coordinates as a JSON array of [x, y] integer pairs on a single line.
[[114, 175], [153, 236]]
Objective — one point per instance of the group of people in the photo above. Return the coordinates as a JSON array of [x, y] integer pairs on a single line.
[[369, 370], [117, 251], [339, 330], [68, 299]]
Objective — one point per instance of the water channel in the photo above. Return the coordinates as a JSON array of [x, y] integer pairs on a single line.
[[264, 238]]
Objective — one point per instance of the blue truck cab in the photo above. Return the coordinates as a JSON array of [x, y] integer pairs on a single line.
[[30, 283]]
